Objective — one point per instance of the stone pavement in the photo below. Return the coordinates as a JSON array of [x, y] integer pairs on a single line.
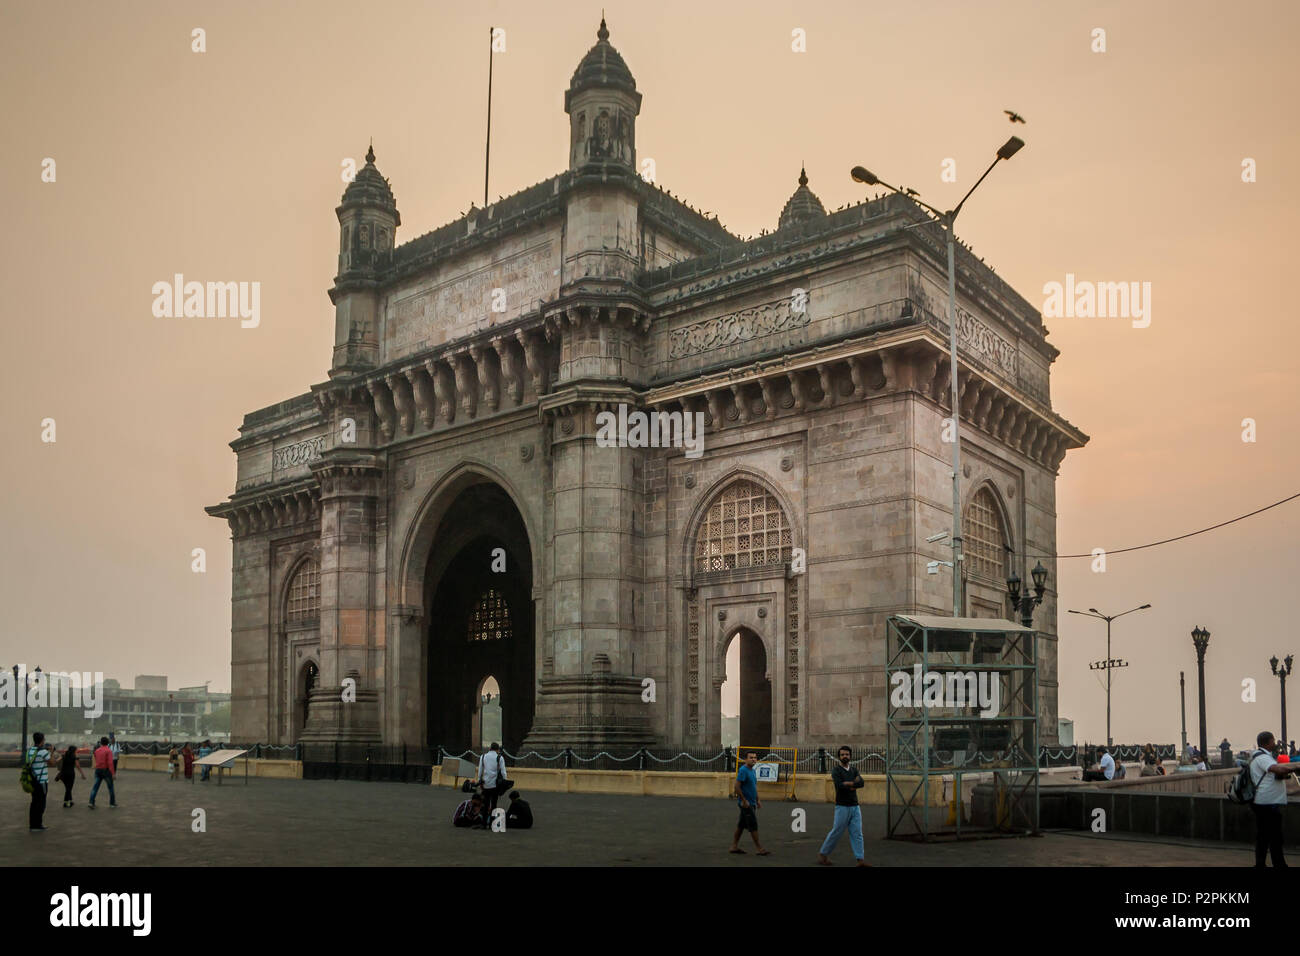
[[342, 823]]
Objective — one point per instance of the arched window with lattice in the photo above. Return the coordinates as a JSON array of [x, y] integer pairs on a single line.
[[490, 619], [985, 537], [303, 603], [745, 527]]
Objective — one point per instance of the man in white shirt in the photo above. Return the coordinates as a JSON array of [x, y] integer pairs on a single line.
[[1269, 778], [491, 771], [1107, 767]]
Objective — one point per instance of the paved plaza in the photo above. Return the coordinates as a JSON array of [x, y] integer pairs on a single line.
[[343, 823]]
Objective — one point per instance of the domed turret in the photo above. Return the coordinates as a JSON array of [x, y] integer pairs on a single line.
[[368, 218], [368, 221], [369, 187], [602, 103], [802, 206]]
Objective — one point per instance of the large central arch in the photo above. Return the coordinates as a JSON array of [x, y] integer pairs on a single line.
[[479, 618], [445, 523]]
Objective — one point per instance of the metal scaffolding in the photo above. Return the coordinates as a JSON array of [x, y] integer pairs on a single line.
[[962, 701]]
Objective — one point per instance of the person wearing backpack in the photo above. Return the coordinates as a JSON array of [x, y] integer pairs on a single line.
[[1269, 800], [492, 778], [36, 774]]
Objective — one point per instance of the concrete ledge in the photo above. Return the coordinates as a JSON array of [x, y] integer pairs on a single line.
[[274, 769], [680, 783]]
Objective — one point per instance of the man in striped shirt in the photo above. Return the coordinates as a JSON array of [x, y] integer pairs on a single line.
[[39, 760]]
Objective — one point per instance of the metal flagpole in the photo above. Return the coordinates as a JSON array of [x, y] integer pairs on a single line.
[[487, 155]]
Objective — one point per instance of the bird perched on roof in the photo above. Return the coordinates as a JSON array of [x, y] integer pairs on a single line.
[[1014, 117]]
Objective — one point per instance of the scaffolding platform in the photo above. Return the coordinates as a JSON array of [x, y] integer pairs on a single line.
[[962, 703]]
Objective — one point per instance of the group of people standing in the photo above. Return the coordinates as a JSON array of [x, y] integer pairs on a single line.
[[36, 761], [185, 758]]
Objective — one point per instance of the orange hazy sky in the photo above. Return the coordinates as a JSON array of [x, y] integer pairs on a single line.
[[225, 165]]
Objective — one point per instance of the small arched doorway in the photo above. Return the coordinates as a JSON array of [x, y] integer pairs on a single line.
[[488, 714], [747, 690]]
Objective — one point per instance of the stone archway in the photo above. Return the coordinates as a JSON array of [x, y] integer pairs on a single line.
[[755, 690], [479, 619]]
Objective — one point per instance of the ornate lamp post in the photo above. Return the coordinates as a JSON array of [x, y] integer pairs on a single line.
[[948, 220], [1024, 604], [1282, 673], [22, 746], [1201, 640]]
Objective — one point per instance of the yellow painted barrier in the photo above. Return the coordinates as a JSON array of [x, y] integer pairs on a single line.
[[271, 769], [667, 783]]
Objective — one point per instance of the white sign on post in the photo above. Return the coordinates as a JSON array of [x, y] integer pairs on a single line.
[[767, 772]]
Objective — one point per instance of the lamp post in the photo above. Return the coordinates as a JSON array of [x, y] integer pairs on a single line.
[[1282, 673], [1024, 604], [1201, 641], [1182, 702], [947, 220], [1108, 664]]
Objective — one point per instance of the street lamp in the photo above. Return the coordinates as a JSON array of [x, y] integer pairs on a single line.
[[1201, 641], [947, 221], [1025, 604], [1282, 673], [1108, 664]]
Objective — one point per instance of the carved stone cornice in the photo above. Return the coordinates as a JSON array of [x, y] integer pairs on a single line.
[[344, 473], [271, 509]]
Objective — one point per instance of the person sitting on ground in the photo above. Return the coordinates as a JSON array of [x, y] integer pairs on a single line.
[[1105, 768], [519, 815], [469, 813]]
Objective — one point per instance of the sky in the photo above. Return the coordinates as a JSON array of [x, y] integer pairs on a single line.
[[226, 165]]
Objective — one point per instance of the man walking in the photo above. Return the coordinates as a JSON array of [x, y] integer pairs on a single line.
[[116, 748], [746, 790], [1269, 777], [848, 815], [38, 759], [104, 772]]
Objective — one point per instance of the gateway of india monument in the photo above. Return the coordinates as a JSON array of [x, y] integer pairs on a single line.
[[440, 510]]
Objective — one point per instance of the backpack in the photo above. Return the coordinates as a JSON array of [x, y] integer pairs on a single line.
[[27, 779], [1242, 787]]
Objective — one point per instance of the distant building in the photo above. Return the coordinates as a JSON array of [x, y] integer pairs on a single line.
[[731, 731], [1065, 732], [150, 709]]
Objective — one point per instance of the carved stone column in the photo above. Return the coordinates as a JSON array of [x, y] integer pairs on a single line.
[[351, 636]]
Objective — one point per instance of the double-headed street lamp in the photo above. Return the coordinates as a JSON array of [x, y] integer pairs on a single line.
[[1282, 673], [1024, 604], [1108, 664], [947, 220]]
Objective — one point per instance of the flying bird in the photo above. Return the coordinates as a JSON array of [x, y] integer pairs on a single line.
[[1014, 117]]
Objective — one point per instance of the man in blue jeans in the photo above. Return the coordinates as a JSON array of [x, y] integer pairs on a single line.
[[104, 771], [848, 815]]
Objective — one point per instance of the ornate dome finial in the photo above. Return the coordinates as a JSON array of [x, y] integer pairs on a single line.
[[370, 153], [803, 175], [603, 32]]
